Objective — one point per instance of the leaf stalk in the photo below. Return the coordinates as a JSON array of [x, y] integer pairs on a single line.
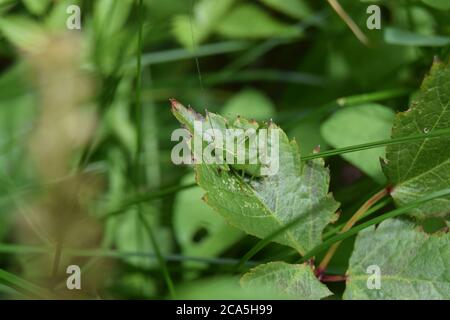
[[350, 223]]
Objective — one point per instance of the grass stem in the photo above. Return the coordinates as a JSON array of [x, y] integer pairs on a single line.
[[350, 223], [378, 144], [391, 214], [349, 21], [139, 170]]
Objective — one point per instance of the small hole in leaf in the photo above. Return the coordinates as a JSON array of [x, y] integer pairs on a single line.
[[199, 235]]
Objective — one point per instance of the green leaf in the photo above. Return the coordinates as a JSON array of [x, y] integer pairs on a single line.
[[412, 264], [408, 38], [421, 167], [207, 15], [381, 62], [193, 217], [294, 8], [249, 21], [57, 17], [251, 104], [183, 29], [16, 112], [110, 16], [22, 32], [423, 19], [307, 134], [119, 122], [262, 206], [112, 39], [294, 280], [36, 7], [438, 4], [132, 236], [356, 125]]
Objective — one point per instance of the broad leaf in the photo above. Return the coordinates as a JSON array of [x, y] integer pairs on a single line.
[[261, 206], [249, 103], [412, 264], [199, 230], [356, 125], [294, 8], [249, 21], [207, 15], [294, 280], [307, 134], [417, 168]]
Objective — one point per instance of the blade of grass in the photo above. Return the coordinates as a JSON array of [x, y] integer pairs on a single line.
[[139, 169], [391, 214], [372, 96], [135, 200], [268, 75], [159, 256], [33, 290], [293, 254], [194, 46], [205, 50], [253, 54], [146, 198], [349, 224], [261, 49], [24, 209], [110, 253], [138, 112], [369, 212], [57, 258], [378, 144], [264, 242], [293, 119]]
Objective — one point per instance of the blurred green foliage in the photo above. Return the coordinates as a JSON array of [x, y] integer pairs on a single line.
[[290, 60]]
